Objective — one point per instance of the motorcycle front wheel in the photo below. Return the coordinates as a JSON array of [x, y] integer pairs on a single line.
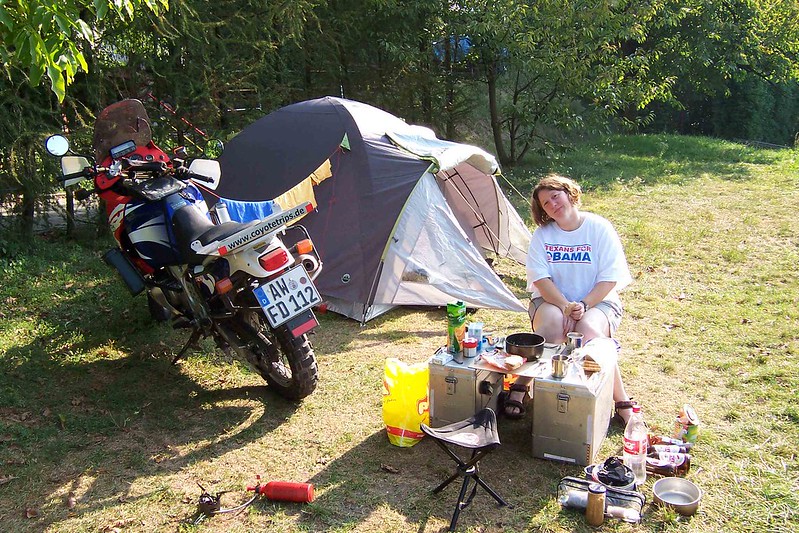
[[286, 363]]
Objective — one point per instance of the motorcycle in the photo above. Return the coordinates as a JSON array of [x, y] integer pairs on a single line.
[[236, 282]]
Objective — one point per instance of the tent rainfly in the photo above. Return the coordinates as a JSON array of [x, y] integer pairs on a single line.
[[402, 218]]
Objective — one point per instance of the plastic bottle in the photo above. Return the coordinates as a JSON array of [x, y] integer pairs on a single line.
[[635, 445]]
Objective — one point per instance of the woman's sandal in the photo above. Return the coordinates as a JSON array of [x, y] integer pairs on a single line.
[[518, 415], [617, 418]]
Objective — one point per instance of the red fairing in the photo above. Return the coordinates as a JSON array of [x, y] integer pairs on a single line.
[[115, 202], [104, 182]]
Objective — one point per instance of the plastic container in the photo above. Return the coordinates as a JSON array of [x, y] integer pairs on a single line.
[[636, 443], [573, 493], [222, 215], [475, 329], [469, 347]]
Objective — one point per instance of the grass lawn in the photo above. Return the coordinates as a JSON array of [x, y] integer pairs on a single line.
[[99, 432]]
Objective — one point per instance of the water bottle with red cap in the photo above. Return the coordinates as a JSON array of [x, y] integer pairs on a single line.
[[636, 442]]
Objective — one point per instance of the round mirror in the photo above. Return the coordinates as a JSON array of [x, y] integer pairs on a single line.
[[213, 148], [57, 145]]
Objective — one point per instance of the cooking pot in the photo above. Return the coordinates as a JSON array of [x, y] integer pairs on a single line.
[[529, 345]]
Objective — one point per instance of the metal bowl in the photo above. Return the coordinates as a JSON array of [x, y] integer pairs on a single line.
[[529, 345], [677, 493]]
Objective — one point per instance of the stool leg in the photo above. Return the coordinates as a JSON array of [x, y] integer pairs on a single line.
[[446, 482], [459, 504], [490, 490]]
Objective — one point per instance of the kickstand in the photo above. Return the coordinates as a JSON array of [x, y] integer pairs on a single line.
[[191, 342]]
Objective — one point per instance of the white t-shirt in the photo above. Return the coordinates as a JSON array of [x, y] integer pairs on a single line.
[[579, 259]]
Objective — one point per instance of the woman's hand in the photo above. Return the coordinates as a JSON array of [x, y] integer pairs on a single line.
[[577, 311], [572, 313]]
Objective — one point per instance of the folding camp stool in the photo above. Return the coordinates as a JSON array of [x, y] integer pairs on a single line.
[[478, 434]]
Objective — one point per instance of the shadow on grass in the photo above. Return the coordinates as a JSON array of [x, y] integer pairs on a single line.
[[376, 474], [122, 420], [92, 394]]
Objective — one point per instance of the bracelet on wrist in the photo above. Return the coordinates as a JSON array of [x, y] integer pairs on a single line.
[[585, 305]]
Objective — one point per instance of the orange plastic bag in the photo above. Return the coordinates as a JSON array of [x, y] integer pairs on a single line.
[[405, 403]]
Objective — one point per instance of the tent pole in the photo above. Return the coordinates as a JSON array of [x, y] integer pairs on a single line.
[[367, 305], [492, 237]]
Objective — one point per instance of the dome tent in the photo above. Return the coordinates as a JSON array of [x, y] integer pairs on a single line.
[[402, 218]]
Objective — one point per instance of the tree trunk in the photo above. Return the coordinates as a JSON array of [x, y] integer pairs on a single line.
[[28, 211], [496, 123], [425, 96]]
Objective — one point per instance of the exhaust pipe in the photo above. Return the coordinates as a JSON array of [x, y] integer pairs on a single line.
[[132, 277], [311, 264]]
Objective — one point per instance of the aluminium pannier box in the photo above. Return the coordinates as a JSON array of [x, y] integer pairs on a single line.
[[457, 392], [570, 419]]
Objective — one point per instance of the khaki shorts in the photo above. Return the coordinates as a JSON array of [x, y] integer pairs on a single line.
[[613, 311]]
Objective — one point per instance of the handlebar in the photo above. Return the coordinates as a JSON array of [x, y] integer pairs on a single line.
[[199, 177], [127, 168]]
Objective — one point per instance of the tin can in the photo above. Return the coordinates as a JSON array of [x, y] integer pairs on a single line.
[[469, 347], [686, 426]]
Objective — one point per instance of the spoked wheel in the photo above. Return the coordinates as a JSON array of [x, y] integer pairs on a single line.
[[286, 363]]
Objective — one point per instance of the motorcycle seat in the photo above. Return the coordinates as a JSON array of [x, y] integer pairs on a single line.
[[192, 225]]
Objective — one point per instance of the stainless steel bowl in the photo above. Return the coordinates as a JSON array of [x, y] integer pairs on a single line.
[[529, 345], [677, 493]]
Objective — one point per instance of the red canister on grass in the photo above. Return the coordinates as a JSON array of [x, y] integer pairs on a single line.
[[286, 491]]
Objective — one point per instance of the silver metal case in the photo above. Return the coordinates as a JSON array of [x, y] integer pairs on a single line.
[[570, 421], [457, 392]]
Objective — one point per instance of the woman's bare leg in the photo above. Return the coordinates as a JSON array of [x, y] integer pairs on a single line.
[[548, 321]]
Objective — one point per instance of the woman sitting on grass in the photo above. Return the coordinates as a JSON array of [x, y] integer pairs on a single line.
[[575, 269]]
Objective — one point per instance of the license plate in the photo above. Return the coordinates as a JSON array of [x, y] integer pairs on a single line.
[[285, 297]]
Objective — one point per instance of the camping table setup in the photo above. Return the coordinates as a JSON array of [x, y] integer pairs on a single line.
[[571, 393], [571, 414]]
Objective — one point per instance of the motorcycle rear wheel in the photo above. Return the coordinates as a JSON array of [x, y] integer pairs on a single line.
[[288, 364]]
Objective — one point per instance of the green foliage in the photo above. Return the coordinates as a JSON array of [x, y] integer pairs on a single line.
[[537, 73], [45, 37]]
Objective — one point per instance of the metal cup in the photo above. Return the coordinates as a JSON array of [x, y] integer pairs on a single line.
[[575, 340], [559, 363]]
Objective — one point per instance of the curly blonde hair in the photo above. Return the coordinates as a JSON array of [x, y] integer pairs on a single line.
[[553, 182]]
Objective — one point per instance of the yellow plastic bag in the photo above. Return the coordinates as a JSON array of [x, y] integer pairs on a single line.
[[405, 403]]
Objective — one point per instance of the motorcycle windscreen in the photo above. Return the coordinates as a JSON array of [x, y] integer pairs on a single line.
[[120, 122], [431, 261]]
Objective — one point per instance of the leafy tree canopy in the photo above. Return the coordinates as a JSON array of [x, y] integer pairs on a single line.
[[42, 37]]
